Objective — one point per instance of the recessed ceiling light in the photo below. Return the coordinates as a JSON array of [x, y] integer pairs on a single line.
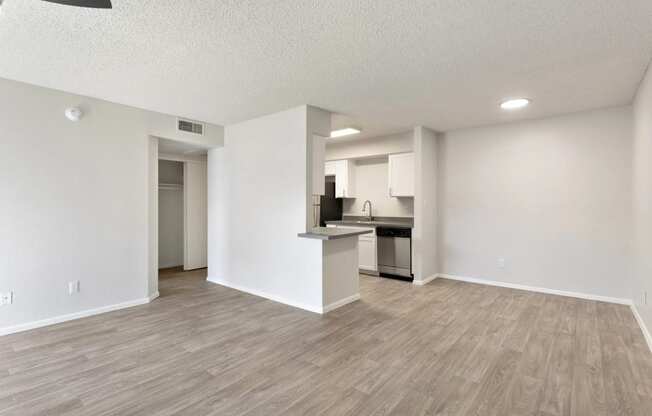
[[344, 132], [515, 104]]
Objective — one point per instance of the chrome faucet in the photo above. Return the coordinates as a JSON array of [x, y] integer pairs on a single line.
[[364, 208]]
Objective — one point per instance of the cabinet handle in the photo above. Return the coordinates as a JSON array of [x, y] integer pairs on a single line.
[[344, 192], [390, 191]]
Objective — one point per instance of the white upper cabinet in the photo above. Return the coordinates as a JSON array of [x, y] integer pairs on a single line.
[[345, 179], [344, 172], [330, 168], [401, 175]]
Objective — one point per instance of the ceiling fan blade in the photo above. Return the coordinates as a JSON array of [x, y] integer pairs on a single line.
[[96, 4]]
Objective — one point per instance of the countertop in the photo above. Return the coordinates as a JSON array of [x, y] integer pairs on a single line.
[[325, 233], [377, 222]]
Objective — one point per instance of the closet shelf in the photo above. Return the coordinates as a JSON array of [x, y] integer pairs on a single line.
[[170, 187]]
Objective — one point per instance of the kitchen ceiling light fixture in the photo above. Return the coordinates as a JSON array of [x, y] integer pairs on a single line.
[[344, 132], [515, 104], [95, 4]]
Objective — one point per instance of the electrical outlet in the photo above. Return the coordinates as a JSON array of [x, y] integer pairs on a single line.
[[501, 263], [73, 287], [6, 298]]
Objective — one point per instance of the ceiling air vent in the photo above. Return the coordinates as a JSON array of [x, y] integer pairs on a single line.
[[190, 127]]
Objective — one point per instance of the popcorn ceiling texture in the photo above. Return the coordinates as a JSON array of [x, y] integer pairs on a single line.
[[385, 65]]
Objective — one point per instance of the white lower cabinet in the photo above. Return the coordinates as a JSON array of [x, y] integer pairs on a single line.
[[367, 249], [367, 253]]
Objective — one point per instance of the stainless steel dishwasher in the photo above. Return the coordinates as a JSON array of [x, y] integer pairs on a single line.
[[395, 252]]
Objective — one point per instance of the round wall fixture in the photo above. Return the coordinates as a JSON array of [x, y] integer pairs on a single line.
[[74, 113]]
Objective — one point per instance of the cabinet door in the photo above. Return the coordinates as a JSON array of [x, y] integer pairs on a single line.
[[367, 253], [341, 178], [330, 168], [401, 175], [344, 171], [349, 189]]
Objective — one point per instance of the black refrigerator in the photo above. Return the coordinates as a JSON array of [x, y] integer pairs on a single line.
[[330, 207]]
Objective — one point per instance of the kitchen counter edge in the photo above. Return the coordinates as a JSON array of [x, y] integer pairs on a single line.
[[324, 233]]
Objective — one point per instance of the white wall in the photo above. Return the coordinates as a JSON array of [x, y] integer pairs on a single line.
[[424, 235], [170, 222], [371, 147], [152, 214], [79, 203], [552, 197], [340, 271], [258, 195], [642, 190], [317, 123], [371, 177], [75, 204]]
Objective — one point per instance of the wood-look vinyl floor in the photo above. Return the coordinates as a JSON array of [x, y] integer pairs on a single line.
[[447, 348]]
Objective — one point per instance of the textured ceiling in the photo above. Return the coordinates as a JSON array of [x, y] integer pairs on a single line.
[[385, 65]]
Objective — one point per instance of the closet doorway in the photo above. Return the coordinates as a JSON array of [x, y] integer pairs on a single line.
[[182, 212], [170, 215]]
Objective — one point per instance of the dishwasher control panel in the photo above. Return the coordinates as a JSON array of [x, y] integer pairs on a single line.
[[394, 232]]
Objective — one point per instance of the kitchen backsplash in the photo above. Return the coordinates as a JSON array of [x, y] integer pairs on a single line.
[[371, 178]]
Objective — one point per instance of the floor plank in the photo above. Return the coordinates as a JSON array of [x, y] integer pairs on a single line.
[[447, 348]]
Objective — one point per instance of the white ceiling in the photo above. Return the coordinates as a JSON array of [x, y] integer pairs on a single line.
[[385, 65]]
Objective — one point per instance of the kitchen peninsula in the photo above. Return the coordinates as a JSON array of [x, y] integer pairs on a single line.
[[339, 264]]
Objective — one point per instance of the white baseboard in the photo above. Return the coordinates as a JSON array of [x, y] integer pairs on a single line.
[[341, 303], [77, 315], [579, 295], [425, 281], [641, 324], [153, 296], [259, 293]]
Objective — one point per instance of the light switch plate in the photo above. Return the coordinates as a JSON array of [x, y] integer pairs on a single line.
[[6, 298]]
